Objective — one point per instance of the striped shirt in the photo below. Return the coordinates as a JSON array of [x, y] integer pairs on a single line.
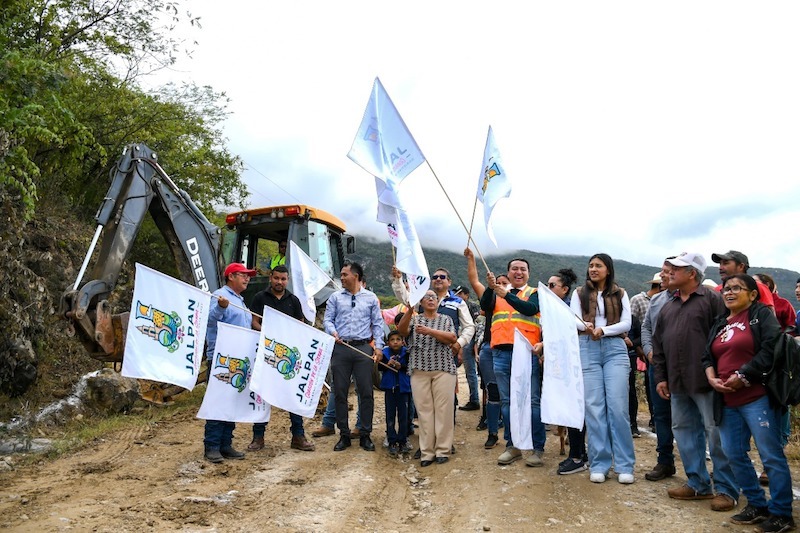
[[354, 316]]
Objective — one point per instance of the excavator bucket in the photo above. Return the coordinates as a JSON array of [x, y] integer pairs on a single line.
[[110, 332]]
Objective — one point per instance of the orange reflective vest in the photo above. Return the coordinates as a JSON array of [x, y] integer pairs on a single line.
[[505, 318]]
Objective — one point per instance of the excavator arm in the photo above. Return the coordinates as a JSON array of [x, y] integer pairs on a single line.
[[139, 185]]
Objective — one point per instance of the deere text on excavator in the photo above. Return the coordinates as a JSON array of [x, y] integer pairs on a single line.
[[200, 249]]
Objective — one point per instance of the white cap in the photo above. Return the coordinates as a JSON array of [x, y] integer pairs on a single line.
[[689, 259]]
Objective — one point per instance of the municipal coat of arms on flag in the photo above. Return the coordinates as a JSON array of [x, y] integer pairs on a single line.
[[228, 395], [166, 330], [292, 362]]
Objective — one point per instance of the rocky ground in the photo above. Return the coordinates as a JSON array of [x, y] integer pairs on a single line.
[[153, 478]]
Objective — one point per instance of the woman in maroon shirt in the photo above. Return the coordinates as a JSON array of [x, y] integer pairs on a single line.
[[738, 354]]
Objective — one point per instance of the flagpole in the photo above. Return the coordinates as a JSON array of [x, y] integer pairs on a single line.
[[366, 355], [469, 233], [394, 259], [472, 222]]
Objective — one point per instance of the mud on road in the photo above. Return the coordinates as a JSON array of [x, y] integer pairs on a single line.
[[153, 478]]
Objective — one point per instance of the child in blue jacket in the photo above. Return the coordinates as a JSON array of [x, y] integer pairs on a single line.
[[397, 393]]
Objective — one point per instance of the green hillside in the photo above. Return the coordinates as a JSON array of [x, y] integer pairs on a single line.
[[376, 257]]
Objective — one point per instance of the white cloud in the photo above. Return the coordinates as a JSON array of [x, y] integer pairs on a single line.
[[635, 128]]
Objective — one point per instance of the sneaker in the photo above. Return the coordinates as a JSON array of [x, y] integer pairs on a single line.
[[535, 459], [597, 477], [751, 515], [394, 449], [722, 502], [777, 524], [386, 442], [229, 453], [491, 442], [625, 479], [509, 456], [406, 447], [571, 466], [323, 431], [481, 425], [685, 492], [635, 433], [470, 406], [660, 472]]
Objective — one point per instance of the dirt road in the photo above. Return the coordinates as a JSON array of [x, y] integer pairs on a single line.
[[154, 479]]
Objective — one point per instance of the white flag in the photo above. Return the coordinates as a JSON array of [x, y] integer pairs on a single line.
[[410, 260], [307, 280], [228, 396], [292, 362], [383, 145], [562, 391], [520, 397], [388, 201], [392, 229], [493, 183], [166, 329]]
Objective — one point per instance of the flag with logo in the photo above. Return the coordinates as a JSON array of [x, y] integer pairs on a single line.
[[392, 229], [166, 329], [291, 364], [493, 183], [228, 396], [307, 280], [562, 390], [520, 396], [383, 145]]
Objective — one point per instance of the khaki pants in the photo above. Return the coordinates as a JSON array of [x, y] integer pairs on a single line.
[[433, 398]]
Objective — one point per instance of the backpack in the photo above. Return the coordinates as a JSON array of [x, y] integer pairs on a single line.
[[783, 379]]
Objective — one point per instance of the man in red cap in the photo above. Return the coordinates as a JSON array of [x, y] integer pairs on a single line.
[[227, 306]]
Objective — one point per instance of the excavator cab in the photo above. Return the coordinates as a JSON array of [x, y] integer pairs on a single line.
[[254, 237]]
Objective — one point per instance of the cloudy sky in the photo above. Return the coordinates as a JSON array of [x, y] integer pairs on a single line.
[[640, 129]]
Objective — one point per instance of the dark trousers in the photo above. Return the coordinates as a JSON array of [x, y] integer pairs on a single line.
[[218, 434], [396, 415], [662, 417], [633, 399], [345, 363], [577, 443]]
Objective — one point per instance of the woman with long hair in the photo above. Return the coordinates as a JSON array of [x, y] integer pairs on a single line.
[[738, 354], [606, 319]]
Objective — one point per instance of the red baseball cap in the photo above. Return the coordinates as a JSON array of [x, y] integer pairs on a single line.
[[233, 268]]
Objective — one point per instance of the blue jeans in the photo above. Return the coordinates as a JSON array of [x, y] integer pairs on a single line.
[[218, 434], [606, 368], [471, 370], [502, 371], [662, 418], [758, 419], [296, 422], [492, 394], [693, 426], [396, 412]]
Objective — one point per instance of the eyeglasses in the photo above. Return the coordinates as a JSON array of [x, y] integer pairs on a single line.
[[243, 274], [439, 276], [553, 285], [430, 297], [353, 301], [735, 289]]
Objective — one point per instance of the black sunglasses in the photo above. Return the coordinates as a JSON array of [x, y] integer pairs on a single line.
[[439, 276], [353, 301]]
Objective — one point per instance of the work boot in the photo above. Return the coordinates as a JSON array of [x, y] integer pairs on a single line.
[[659, 472], [229, 453], [299, 442], [535, 459], [257, 444], [510, 455], [323, 431], [212, 455], [366, 443], [344, 443]]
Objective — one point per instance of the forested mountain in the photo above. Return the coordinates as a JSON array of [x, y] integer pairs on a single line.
[[376, 257]]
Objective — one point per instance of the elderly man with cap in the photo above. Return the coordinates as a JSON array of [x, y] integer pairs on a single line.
[[679, 342], [226, 306], [734, 262]]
